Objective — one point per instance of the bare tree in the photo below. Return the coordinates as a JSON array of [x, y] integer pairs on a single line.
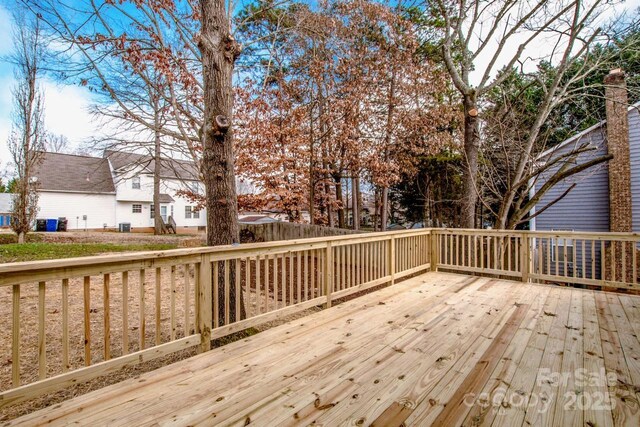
[[27, 139], [56, 143], [500, 33]]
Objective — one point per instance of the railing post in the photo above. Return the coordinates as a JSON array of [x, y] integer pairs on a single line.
[[391, 261], [525, 257], [328, 274], [204, 307], [434, 251]]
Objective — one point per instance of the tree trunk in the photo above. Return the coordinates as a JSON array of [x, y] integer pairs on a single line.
[[384, 209], [471, 146], [157, 218], [219, 52], [337, 179], [355, 209], [312, 182], [376, 208], [21, 237]]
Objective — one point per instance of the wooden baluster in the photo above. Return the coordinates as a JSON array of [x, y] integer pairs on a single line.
[[593, 259], [267, 259], [276, 293], [125, 312], [603, 263], [346, 266], [565, 258], [328, 274], [158, 305], [187, 306], [583, 258], [549, 243], [634, 259], [509, 254], [65, 325], [172, 301], [238, 291], [338, 282], [299, 277], [573, 257], [557, 256], [87, 320], [247, 281], [280, 278], [291, 278], [623, 246], [106, 283], [216, 294], [349, 268], [313, 260], [540, 257], [258, 308], [143, 322], [227, 293], [482, 264], [305, 273], [612, 250], [15, 337], [42, 340]]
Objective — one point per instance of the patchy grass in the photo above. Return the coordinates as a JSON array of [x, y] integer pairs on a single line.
[[14, 252]]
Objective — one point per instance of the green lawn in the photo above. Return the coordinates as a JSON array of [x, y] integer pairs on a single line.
[[39, 251]]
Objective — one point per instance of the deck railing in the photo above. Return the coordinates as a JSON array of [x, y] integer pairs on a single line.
[[72, 320]]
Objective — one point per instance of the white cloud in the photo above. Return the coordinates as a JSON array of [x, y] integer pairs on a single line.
[[66, 112]]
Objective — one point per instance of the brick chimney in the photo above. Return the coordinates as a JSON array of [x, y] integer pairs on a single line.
[[618, 146]]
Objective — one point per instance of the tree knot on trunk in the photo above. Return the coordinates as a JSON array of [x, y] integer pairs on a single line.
[[232, 48]]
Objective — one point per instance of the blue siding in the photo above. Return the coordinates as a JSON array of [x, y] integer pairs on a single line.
[[586, 207]]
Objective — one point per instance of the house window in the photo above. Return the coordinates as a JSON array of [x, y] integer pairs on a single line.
[[565, 248], [191, 212], [137, 208], [135, 183], [152, 211]]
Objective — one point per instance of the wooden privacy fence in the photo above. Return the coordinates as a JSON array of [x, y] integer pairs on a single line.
[[273, 231], [67, 321]]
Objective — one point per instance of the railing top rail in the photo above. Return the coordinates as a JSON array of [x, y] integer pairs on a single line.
[[227, 250], [297, 244], [595, 235]]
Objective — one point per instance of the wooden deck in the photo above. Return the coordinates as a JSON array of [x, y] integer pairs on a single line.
[[439, 349]]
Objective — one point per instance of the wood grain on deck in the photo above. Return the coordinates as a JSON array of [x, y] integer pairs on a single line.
[[438, 349]]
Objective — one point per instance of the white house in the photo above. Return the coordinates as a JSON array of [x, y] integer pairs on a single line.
[[101, 193]]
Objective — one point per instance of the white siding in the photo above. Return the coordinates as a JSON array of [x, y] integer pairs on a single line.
[[99, 209], [125, 190], [170, 187]]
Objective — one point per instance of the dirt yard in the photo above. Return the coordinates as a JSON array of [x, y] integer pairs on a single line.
[[180, 240]]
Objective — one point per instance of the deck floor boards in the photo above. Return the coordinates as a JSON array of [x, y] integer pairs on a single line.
[[437, 349]]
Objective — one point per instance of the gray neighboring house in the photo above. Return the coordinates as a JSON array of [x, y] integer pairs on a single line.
[[5, 210], [605, 197]]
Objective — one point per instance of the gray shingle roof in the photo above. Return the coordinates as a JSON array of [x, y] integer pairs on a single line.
[[169, 168], [67, 172]]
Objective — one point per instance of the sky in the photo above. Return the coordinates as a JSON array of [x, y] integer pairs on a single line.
[[67, 105]]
